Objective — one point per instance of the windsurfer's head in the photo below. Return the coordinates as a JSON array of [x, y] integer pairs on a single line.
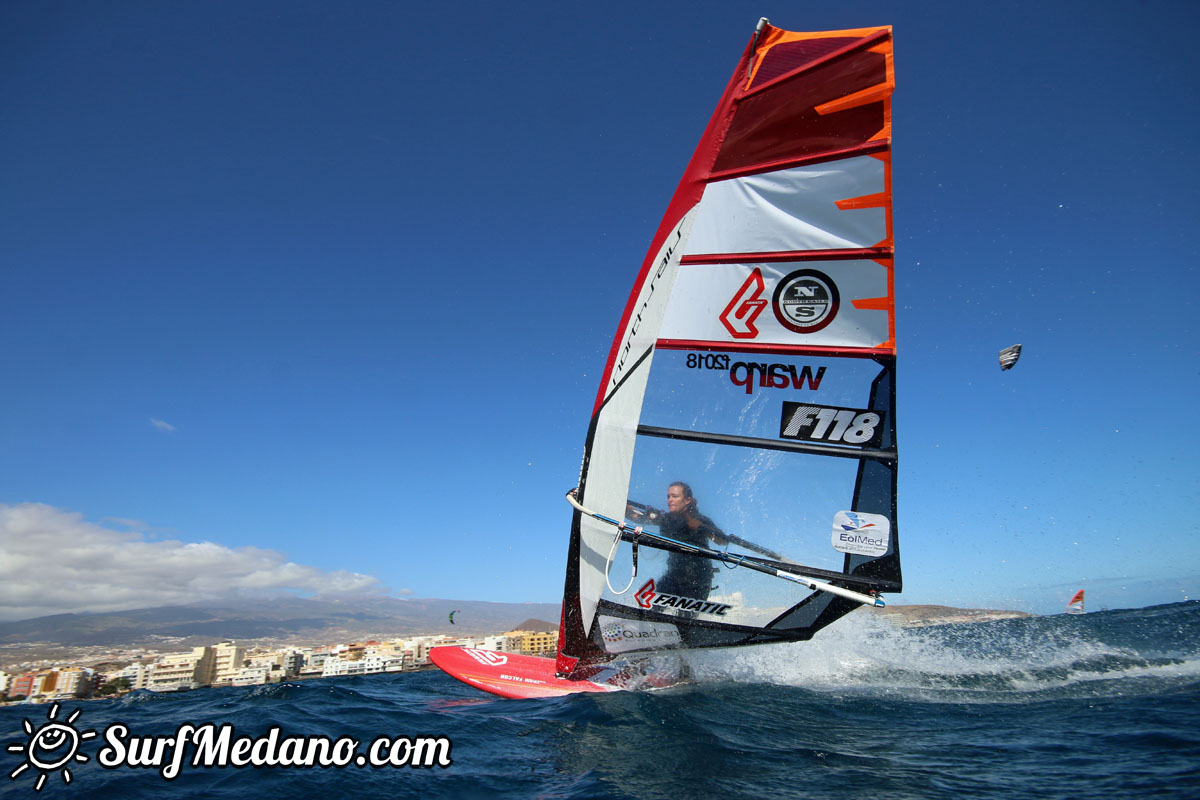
[[679, 498]]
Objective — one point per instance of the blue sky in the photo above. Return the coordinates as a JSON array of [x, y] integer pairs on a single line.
[[315, 296]]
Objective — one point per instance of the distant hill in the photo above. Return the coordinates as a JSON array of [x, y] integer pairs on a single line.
[[537, 625], [293, 619]]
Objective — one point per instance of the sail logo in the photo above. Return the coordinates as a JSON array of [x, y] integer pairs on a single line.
[[747, 303], [621, 635], [806, 301], [809, 423], [647, 294], [487, 657], [774, 376], [647, 597], [860, 533]]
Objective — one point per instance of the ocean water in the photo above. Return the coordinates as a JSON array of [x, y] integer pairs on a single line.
[[1106, 705]]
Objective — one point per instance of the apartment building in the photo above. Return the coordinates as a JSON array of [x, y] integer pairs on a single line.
[[182, 671], [534, 642], [70, 682], [137, 674], [227, 663]]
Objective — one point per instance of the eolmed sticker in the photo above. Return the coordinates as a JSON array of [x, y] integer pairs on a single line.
[[861, 534]]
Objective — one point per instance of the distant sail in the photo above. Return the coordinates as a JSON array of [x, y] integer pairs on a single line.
[[1009, 356], [739, 475], [1076, 604]]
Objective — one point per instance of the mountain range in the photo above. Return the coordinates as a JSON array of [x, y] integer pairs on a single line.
[[292, 619]]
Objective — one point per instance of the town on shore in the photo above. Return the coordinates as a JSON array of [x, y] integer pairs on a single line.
[[231, 664]]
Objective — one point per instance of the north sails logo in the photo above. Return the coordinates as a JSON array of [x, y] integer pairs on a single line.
[[487, 657], [806, 301], [647, 597], [739, 316]]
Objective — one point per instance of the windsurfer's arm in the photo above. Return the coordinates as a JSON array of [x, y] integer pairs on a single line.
[[720, 537], [640, 512]]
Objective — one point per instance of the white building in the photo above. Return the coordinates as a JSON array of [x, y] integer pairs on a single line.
[[253, 676], [343, 666], [314, 663], [137, 674], [502, 644]]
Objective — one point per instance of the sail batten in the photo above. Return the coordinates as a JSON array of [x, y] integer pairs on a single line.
[[745, 425], [763, 444], [787, 256]]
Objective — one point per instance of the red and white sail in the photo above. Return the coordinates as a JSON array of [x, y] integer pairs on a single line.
[[1076, 604], [755, 359]]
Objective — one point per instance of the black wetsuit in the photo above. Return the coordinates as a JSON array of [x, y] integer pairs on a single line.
[[688, 575]]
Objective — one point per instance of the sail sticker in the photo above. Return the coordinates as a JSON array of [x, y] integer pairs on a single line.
[[806, 301], [718, 361], [833, 424], [647, 597], [623, 635], [738, 317], [774, 376], [861, 534]]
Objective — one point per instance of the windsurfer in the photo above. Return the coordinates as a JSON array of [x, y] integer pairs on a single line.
[[687, 575]]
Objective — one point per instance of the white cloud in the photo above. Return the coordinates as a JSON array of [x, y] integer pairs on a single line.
[[53, 562], [162, 426]]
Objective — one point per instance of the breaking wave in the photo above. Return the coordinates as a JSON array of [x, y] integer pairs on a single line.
[[1011, 660]]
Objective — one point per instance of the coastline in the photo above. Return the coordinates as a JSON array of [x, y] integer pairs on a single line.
[[920, 616]]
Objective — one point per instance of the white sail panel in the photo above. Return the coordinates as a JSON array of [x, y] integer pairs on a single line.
[[608, 481], [792, 209], [707, 298], [611, 456], [645, 316]]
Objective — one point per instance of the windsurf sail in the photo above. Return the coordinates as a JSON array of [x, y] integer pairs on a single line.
[[1076, 604], [738, 484]]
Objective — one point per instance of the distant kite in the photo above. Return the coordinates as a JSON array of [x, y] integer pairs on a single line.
[[1009, 356], [452, 613]]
